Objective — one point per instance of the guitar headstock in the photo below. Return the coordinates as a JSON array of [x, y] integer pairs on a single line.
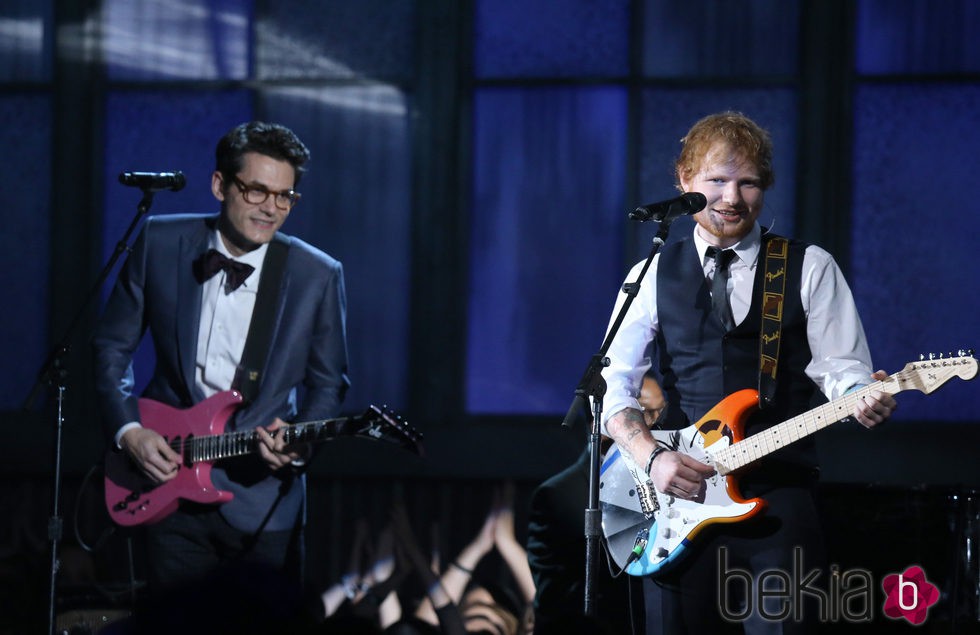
[[933, 371], [385, 424]]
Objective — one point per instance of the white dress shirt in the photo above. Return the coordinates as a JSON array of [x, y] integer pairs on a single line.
[[225, 318], [841, 359]]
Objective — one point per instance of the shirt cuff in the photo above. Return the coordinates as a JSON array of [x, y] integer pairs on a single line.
[[123, 430], [301, 461]]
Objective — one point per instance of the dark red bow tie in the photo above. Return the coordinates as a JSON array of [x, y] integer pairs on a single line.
[[213, 261]]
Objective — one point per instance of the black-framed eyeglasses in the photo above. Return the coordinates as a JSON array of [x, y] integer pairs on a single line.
[[258, 194]]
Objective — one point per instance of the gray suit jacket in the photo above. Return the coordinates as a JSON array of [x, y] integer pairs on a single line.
[[157, 290]]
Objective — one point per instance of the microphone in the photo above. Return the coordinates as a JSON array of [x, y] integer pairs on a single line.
[[154, 181], [687, 203]]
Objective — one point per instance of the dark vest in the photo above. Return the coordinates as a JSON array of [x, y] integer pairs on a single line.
[[701, 363]]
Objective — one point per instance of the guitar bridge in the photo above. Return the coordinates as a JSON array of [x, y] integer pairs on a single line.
[[647, 496]]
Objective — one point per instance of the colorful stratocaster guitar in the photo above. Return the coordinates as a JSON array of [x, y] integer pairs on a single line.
[[197, 435], [647, 531]]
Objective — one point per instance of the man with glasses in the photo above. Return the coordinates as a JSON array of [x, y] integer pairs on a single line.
[[194, 282]]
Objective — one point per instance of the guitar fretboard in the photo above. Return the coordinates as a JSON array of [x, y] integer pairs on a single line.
[[222, 446], [779, 436], [924, 376]]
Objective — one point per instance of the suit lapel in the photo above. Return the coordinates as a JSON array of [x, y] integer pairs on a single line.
[[283, 290], [280, 300], [189, 306]]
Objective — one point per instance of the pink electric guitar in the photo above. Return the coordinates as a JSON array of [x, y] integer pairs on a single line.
[[197, 435]]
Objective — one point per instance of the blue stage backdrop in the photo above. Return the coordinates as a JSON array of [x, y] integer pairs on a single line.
[[565, 116]]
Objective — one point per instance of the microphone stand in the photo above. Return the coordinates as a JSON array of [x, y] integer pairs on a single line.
[[55, 373], [593, 385]]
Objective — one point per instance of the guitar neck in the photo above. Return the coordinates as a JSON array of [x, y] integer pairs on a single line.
[[231, 444], [757, 446], [924, 376]]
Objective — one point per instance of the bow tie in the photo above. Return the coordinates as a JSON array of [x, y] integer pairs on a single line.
[[213, 261]]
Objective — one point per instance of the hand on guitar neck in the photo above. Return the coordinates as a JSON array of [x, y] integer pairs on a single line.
[[876, 406], [275, 451]]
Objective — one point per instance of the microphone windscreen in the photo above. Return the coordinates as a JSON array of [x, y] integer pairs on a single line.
[[694, 202]]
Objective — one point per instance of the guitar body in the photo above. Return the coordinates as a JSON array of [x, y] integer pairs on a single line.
[[132, 498], [672, 528]]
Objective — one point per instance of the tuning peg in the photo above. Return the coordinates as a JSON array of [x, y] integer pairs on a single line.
[[932, 356], [922, 357]]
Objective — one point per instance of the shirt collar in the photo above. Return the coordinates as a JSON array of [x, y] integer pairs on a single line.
[[747, 249]]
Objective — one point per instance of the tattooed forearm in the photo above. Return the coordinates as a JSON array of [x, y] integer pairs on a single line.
[[629, 430]]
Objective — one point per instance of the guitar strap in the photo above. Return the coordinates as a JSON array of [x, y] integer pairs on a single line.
[[259, 337], [777, 254]]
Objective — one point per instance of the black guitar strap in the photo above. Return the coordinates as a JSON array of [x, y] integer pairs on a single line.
[[259, 337], [777, 255]]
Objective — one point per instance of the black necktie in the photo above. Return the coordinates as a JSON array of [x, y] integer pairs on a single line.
[[719, 285], [213, 261]]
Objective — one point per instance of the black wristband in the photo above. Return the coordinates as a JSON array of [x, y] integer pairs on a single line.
[[656, 452], [461, 567]]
